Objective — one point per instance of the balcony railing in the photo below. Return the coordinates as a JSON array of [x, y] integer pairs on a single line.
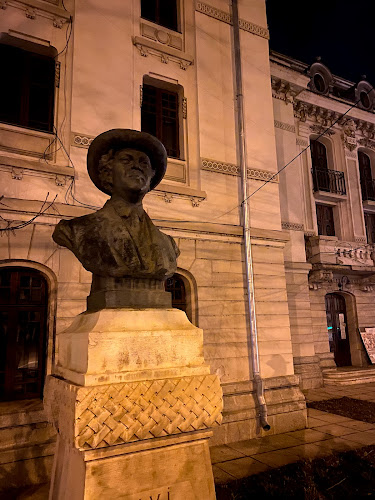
[[331, 181], [368, 189]]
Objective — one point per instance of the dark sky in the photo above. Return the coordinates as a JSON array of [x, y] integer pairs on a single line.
[[342, 32]]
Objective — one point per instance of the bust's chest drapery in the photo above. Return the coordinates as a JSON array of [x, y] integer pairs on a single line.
[[109, 244]]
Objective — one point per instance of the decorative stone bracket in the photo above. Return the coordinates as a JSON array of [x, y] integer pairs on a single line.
[[37, 8], [165, 53]]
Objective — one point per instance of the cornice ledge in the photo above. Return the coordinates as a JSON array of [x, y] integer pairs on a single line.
[[226, 17], [33, 8], [147, 47], [168, 192]]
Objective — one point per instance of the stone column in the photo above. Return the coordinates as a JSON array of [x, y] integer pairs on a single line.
[[133, 403]]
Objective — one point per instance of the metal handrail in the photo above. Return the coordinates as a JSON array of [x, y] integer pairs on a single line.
[[331, 181]]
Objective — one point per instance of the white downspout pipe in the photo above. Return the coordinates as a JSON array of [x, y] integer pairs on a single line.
[[241, 140]]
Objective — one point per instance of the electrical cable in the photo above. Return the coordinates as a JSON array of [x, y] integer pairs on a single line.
[[292, 160], [30, 221]]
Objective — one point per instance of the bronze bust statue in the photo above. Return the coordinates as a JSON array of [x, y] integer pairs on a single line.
[[129, 257]]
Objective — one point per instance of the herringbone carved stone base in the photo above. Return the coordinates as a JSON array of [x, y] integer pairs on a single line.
[[114, 414]]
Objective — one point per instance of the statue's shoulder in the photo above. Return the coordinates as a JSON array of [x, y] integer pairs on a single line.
[[68, 230]]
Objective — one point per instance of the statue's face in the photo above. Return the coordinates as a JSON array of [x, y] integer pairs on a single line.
[[131, 172]]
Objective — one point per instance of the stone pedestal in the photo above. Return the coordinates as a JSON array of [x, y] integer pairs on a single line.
[[133, 403]]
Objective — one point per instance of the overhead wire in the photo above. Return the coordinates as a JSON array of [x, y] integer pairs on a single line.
[[295, 157]]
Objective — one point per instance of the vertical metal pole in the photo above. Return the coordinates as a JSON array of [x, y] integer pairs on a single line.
[[253, 340]]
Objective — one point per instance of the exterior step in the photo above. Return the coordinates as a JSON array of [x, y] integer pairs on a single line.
[[349, 376], [27, 445]]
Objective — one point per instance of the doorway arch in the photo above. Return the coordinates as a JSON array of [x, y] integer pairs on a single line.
[[338, 331], [23, 332]]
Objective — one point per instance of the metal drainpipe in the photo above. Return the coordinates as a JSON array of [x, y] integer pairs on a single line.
[[253, 340]]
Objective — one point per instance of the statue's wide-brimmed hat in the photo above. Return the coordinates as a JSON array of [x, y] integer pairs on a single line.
[[121, 138]]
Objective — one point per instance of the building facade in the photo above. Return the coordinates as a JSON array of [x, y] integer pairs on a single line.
[[87, 67], [327, 206]]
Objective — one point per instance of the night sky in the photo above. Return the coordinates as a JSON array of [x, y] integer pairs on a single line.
[[342, 32]]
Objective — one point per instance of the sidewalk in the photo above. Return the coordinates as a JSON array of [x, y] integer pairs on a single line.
[[326, 433]]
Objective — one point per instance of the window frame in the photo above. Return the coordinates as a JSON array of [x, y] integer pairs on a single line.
[[163, 86], [328, 208], [28, 57]]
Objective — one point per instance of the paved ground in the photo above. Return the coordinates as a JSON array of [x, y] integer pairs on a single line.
[[326, 433]]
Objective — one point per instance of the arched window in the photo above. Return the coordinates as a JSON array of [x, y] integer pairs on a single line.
[[176, 286], [23, 312], [319, 166], [367, 184]]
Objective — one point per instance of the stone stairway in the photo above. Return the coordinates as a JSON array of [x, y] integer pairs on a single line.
[[27, 444], [349, 376]]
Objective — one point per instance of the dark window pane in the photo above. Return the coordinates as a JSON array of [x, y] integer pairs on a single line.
[[318, 155], [159, 117], [325, 222], [365, 174], [370, 227], [149, 10], [168, 14], [28, 82], [176, 287], [163, 12]]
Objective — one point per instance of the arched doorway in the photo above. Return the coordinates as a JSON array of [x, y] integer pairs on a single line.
[[23, 315], [338, 333]]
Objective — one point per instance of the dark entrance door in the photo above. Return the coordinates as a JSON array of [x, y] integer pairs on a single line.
[[23, 307], [337, 329]]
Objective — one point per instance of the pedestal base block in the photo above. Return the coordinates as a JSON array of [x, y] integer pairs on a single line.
[[160, 469]]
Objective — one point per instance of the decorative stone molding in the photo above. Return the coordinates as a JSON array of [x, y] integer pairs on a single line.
[[321, 129], [162, 35], [324, 118], [17, 173], [350, 154], [292, 226], [81, 141], [108, 415], [367, 143], [60, 180], [184, 108], [283, 90], [301, 142], [255, 29], [164, 53], [285, 126], [308, 234], [362, 255], [226, 17], [360, 239], [30, 13], [169, 197], [38, 8], [220, 167], [231, 169], [262, 175], [317, 278], [348, 136]]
